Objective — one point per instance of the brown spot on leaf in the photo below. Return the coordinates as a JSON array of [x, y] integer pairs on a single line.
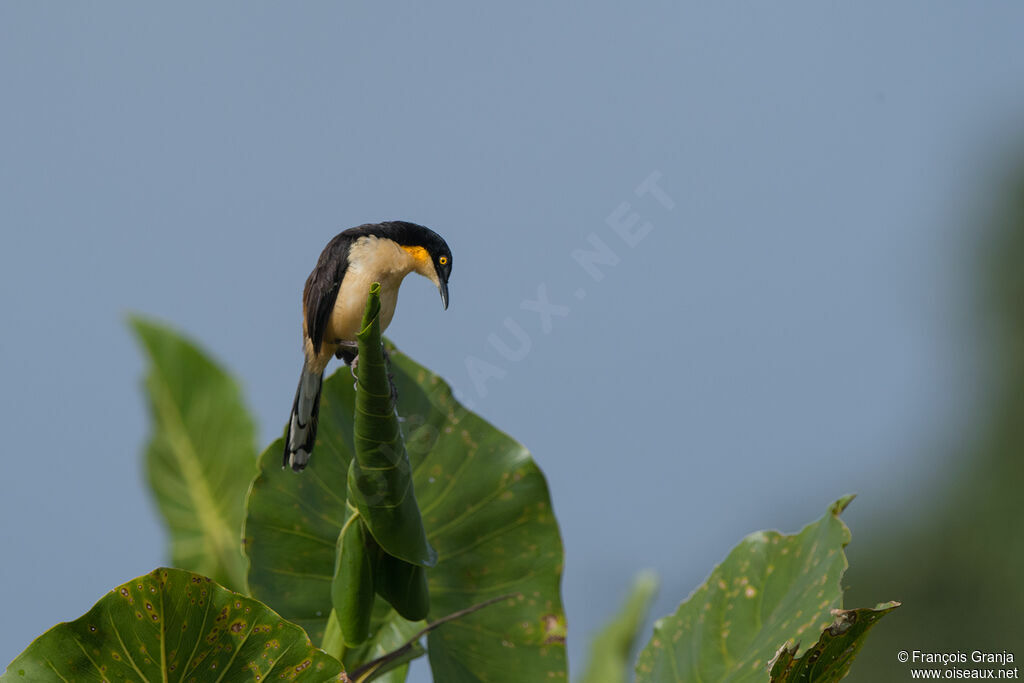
[[554, 629]]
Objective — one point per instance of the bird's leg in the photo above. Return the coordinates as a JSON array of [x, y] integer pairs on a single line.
[[347, 345], [348, 351]]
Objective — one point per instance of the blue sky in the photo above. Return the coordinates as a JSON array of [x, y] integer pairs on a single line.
[[793, 325]]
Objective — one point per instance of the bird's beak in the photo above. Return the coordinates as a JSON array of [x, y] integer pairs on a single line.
[[443, 286]]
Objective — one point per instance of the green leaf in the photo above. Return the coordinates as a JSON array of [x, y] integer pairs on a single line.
[[611, 651], [772, 588], [294, 519], [830, 658], [379, 482], [485, 507], [402, 585], [201, 454], [352, 586], [172, 624]]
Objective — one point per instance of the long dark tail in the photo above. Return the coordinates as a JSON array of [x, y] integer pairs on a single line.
[[300, 435]]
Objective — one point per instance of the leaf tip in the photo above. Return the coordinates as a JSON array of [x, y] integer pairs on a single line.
[[840, 505], [647, 580], [137, 323], [787, 651]]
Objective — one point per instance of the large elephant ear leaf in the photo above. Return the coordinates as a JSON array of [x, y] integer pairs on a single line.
[[174, 625], [771, 590], [293, 520], [201, 454], [486, 511]]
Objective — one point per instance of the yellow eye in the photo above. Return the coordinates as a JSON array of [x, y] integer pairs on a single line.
[[443, 260]]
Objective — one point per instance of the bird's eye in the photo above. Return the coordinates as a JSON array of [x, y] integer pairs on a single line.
[[443, 260]]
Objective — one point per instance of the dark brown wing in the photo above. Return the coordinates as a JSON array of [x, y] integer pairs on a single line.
[[322, 287]]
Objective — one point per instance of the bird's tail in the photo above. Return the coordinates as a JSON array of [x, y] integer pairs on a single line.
[[300, 434]]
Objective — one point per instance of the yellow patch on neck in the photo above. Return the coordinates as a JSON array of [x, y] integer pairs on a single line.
[[419, 254]]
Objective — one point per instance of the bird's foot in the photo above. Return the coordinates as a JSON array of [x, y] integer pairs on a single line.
[[345, 350]]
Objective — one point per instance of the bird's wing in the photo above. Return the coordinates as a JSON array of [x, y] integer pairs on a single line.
[[322, 288]]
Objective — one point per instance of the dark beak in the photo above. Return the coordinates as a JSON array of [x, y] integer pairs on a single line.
[[444, 293]]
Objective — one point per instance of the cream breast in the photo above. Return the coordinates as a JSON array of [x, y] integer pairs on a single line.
[[370, 259]]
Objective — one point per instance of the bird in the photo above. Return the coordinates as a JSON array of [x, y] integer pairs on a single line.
[[333, 301]]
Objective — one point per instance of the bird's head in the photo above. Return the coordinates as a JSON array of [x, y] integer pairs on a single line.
[[432, 257]]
